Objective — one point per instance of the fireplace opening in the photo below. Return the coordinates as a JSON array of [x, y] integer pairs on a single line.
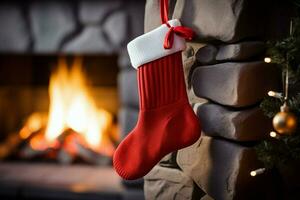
[[51, 148], [58, 108]]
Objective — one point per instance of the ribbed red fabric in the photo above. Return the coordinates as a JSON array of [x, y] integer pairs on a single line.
[[161, 82], [166, 121]]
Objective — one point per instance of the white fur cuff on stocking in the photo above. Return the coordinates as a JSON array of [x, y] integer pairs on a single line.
[[149, 46]]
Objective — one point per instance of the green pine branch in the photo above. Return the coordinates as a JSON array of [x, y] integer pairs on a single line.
[[275, 152]]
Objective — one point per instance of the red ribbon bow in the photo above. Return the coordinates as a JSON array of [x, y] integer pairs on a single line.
[[181, 31]]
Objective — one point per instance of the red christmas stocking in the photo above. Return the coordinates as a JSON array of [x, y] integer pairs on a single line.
[[166, 121]]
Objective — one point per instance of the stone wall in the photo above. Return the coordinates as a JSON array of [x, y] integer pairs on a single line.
[[81, 27], [227, 79]]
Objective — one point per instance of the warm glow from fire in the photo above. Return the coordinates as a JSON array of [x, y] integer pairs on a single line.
[[34, 123], [72, 108]]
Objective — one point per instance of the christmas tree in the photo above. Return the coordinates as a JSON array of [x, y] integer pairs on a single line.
[[283, 145]]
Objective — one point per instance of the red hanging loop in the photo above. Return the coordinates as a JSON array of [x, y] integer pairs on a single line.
[[164, 10], [181, 31]]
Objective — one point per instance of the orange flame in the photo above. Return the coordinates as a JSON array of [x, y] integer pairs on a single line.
[[72, 107]]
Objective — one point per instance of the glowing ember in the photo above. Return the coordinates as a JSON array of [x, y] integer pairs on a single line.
[[73, 115]]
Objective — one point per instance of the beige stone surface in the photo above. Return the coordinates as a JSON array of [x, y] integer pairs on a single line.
[[221, 169], [163, 183], [236, 84], [240, 125]]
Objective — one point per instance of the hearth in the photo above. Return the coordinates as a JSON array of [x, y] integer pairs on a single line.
[[59, 182], [66, 120]]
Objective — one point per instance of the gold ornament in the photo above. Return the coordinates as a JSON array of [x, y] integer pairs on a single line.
[[285, 122]]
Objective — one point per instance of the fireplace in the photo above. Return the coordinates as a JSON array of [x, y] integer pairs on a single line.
[[67, 97], [74, 112]]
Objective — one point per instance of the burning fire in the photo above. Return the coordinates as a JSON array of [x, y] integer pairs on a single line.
[[72, 110]]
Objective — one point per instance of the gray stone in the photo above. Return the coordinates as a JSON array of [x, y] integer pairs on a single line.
[[128, 89], [163, 183], [211, 54], [240, 51], [93, 12], [207, 54], [239, 125], [14, 35], [236, 84], [230, 20], [136, 12], [127, 120], [90, 40], [194, 100], [123, 59], [115, 28], [222, 169], [51, 22]]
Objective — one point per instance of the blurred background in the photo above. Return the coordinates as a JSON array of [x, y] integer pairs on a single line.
[[67, 97]]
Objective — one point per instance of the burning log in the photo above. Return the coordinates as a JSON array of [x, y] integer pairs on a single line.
[[28, 153], [64, 157], [68, 148], [14, 142], [91, 156], [72, 145]]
